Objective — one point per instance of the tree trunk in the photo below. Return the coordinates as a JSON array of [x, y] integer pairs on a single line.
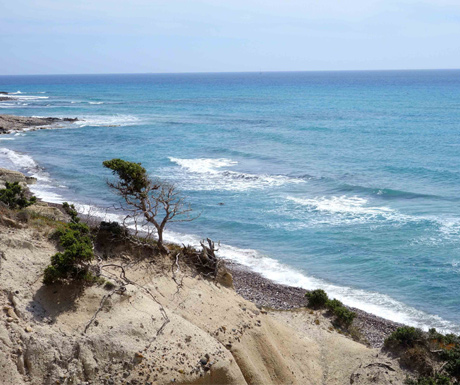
[[161, 246]]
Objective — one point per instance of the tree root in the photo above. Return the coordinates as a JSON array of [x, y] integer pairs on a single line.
[[122, 287]]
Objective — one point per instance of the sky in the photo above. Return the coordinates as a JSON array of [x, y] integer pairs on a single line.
[[151, 36]]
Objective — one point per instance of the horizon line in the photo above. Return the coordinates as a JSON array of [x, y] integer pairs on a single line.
[[232, 72]]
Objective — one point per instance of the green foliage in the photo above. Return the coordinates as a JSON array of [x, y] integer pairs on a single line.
[[436, 380], [404, 337], [317, 299], [113, 228], [452, 358], [71, 211], [14, 197], [333, 304], [344, 317], [133, 177], [73, 262]]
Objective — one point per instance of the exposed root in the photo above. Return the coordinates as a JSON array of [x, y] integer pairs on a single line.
[[101, 305], [122, 288]]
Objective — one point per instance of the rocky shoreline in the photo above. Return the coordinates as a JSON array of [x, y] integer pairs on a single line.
[[11, 123]]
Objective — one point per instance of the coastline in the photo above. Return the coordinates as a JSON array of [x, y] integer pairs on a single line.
[[268, 294], [249, 284]]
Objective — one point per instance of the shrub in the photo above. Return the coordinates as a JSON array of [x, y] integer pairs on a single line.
[[14, 196], [73, 262], [452, 358], [404, 337], [317, 299], [333, 304], [344, 317]]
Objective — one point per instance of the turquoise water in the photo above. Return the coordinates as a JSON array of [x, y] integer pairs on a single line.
[[348, 181]]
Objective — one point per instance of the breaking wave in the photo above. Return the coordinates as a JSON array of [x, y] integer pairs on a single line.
[[218, 177], [107, 121]]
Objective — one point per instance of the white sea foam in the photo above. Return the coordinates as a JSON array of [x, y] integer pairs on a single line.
[[44, 188], [96, 102], [354, 206], [24, 97], [20, 160], [219, 178], [107, 120], [340, 210]]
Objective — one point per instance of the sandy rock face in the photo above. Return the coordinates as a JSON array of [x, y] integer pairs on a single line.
[[14, 176], [45, 210]]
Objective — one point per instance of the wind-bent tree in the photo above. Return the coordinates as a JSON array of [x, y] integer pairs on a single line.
[[155, 201]]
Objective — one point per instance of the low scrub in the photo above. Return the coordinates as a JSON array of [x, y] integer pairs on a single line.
[[74, 262], [318, 299], [436, 357], [14, 196], [405, 337]]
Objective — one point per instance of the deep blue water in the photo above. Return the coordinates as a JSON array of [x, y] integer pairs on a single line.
[[348, 181]]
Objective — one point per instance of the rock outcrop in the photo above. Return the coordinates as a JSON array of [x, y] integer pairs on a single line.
[[10, 123], [14, 176]]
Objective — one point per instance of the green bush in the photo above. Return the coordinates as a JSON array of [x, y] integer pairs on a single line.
[[343, 316], [73, 262], [404, 337], [452, 358], [317, 299], [14, 196], [333, 304]]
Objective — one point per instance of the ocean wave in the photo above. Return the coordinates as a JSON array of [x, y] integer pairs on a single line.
[[24, 163], [354, 206], [384, 193], [95, 102], [218, 178], [24, 97], [107, 121], [339, 211]]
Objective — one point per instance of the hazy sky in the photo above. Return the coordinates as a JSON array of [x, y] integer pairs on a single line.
[[124, 36]]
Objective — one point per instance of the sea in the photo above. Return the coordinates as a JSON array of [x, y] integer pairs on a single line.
[[345, 181]]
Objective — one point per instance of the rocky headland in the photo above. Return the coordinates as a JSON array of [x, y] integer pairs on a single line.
[[11, 123]]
